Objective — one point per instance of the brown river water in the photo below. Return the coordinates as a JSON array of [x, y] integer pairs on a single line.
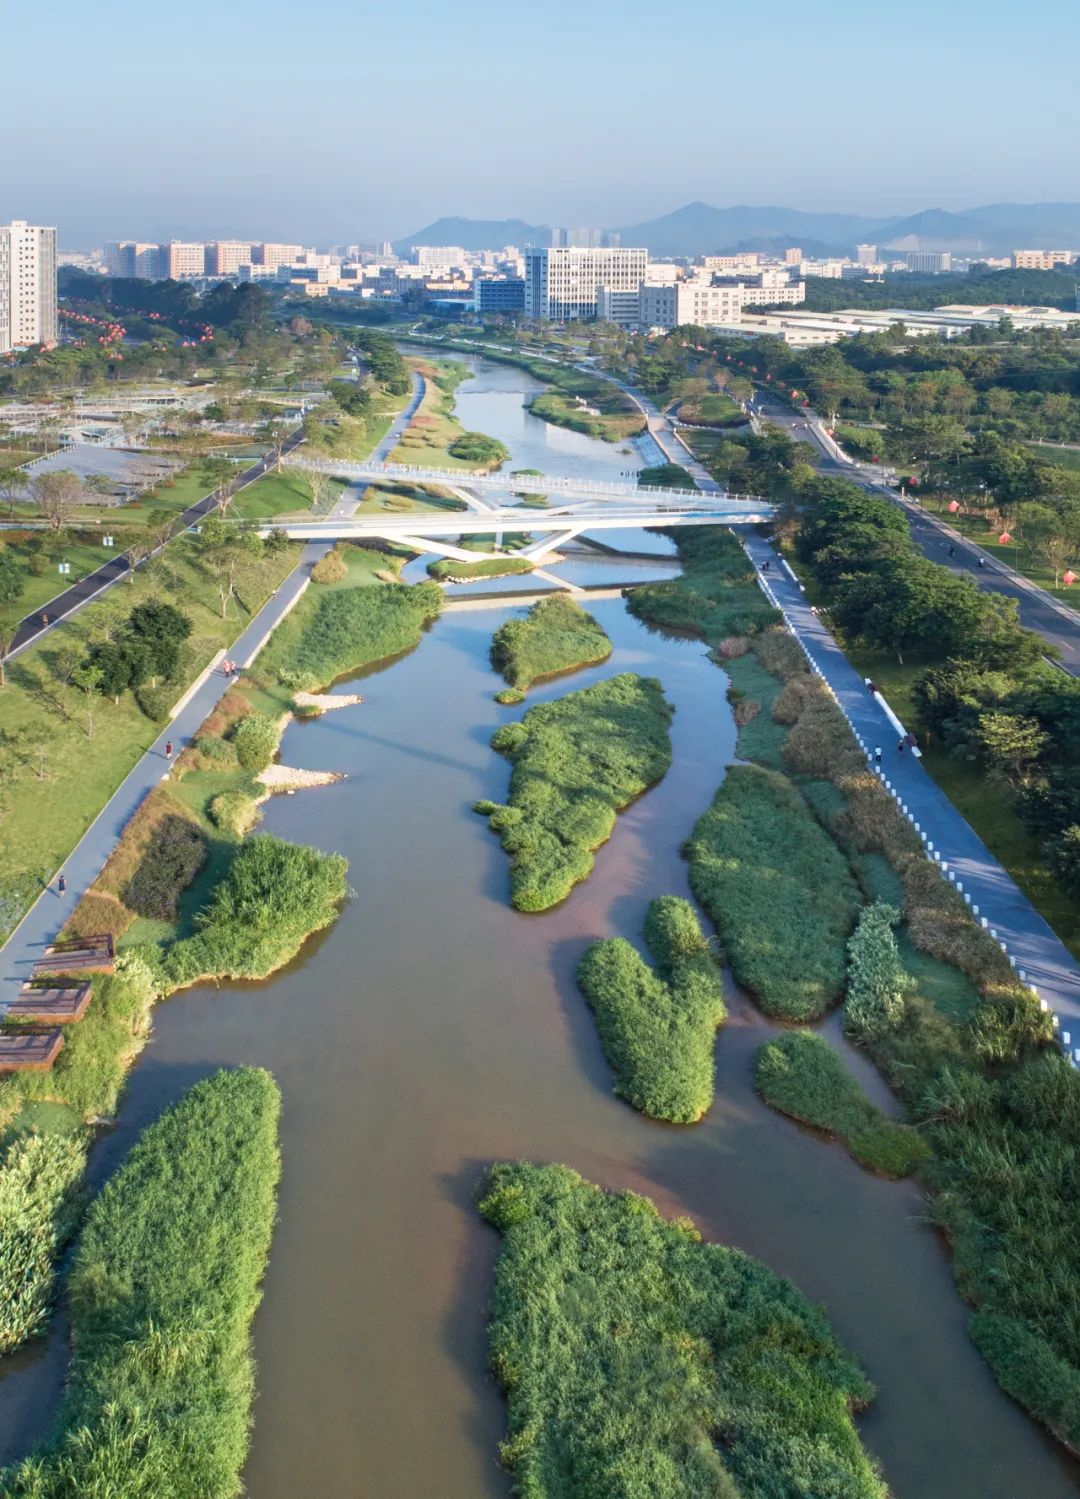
[[433, 1030]]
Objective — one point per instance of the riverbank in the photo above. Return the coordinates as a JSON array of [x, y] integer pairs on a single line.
[[435, 436]]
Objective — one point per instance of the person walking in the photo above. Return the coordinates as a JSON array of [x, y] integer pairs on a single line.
[[877, 755], [168, 749], [900, 748], [61, 883]]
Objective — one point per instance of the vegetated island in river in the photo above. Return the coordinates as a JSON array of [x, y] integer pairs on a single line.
[[800, 1075], [556, 635], [658, 1025], [660, 1366], [577, 762], [965, 1045], [162, 1290]]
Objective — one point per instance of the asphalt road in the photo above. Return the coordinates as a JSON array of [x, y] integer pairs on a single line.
[[35, 625], [1058, 625]]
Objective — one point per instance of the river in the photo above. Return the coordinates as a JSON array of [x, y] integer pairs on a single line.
[[433, 1030]]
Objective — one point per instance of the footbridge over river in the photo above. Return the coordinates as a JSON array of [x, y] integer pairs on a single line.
[[491, 509]]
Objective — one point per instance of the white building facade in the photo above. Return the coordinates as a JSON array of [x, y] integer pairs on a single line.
[[689, 303], [27, 286], [563, 282]]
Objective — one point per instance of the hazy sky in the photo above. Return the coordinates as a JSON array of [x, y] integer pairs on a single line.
[[311, 120]]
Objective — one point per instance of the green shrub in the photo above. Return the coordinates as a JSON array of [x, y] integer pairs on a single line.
[[174, 854], [510, 696], [347, 628], [876, 983], [556, 635], [40, 1206], [638, 1361], [234, 812], [219, 752], [156, 702], [658, 1028], [477, 447], [1028, 1370], [778, 889], [666, 476], [577, 762], [800, 1075], [162, 1291], [273, 897], [329, 569], [256, 739]]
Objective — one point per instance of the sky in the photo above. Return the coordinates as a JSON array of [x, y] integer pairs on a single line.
[[320, 122]]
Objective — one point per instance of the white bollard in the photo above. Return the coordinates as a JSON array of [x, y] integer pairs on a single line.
[[937, 858], [1043, 1006], [983, 922], [960, 887], [1023, 976], [974, 910], [967, 897], [929, 848], [1066, 1038], [993, 932]]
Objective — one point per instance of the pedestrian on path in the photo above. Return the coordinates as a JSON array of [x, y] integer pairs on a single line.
[[61, 883], [877, 755], [168, 749], [900, 748]]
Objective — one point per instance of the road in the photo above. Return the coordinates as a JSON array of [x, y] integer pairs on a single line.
[[32, 628], [1039, 611]]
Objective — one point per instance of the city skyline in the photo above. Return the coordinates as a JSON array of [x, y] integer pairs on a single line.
[[539, 131]]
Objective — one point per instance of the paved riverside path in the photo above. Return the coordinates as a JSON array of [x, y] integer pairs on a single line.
[[44, 919], [353, 493], [1047, 965]]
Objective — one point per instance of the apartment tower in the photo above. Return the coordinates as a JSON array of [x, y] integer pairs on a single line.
[[27, 286]]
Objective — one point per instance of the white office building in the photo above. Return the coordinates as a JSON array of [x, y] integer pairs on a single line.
[[27, 286], [563, 282], [689, 303]]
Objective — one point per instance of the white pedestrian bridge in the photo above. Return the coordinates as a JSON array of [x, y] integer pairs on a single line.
[[590, 505]]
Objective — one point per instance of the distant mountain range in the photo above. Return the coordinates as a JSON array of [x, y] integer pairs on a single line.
[[700, 229]]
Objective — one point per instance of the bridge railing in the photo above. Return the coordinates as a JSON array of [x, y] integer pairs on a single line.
[[516, 483]]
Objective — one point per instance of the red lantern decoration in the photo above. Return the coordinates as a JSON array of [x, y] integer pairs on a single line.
[[1004, 538], [806, 403], [1069, 578], [954, 505], [768, 377]]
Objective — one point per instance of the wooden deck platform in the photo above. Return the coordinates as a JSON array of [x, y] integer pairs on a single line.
[[94, 954], [30, 1051], [59, 1005]]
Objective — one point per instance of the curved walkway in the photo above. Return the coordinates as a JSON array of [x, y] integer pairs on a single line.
[[353, 493]]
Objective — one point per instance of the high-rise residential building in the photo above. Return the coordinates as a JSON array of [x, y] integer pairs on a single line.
[[584, 237], [27, 285], [433, 258], [793, 255], [275, 254], [866, 255], [562, 282], [133, 258], [183, 261], [1042, 260], [225, 256]]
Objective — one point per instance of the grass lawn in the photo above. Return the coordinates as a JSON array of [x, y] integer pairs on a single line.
[[284, 493], [56, 777], [1049, 452], [400, 499], [713, 410]]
